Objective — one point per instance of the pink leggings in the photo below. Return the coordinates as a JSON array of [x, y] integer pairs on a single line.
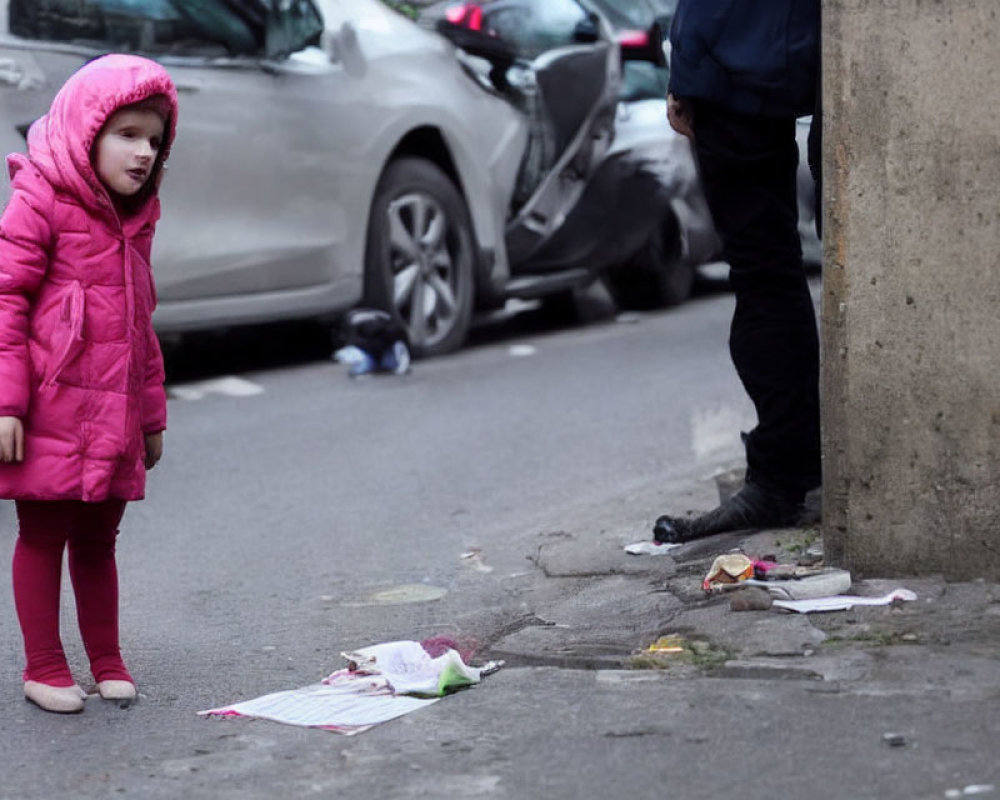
[[88, 529]]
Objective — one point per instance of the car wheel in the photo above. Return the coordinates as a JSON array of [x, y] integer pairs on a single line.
[[419, 256], [657, 276]]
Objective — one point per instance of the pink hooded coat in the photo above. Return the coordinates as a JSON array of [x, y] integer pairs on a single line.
[[79, 362]]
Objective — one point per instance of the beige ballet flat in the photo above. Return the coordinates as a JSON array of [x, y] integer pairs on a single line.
[[58, 699], [116, 690]]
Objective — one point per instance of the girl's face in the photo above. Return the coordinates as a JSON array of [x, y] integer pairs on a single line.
[[126, 150]]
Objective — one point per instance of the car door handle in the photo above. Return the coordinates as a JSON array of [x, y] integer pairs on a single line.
[[342, 47], [11, 73]]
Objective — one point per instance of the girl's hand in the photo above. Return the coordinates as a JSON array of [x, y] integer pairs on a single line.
[[154, 449], [11, 440]]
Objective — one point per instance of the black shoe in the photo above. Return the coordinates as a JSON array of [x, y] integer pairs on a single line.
[[751, 508]]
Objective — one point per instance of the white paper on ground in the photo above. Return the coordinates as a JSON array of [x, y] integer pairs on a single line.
[[649, 548], [379, 688], [348, 705], [843, 602]]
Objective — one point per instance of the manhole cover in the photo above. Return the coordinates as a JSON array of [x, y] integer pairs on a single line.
[[399, 595]]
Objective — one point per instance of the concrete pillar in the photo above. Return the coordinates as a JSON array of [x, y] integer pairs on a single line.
[[911, 289]]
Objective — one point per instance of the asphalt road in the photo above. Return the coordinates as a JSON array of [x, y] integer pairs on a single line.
[[298, 513]]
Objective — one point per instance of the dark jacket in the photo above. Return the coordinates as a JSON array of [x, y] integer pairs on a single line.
[[748, 56]]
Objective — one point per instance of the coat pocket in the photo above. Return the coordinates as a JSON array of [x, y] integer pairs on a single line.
[[70, 335]]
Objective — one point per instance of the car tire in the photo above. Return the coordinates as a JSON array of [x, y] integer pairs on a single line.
[[657, 276], [419, 258]]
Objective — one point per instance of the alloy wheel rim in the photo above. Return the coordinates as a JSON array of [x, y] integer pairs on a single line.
[[424, 274]]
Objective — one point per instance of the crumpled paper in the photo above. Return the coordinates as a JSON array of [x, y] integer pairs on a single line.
[[650, 548], [728, 569], [380, 682], [409, 669]]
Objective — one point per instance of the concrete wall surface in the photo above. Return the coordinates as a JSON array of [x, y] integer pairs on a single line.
[[911, 291]]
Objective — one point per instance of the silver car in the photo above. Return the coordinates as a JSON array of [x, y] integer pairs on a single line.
[[332, 153]]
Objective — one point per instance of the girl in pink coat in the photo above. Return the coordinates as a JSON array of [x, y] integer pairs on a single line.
[[82, 403]]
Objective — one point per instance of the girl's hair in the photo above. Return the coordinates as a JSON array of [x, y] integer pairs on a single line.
[[159, 104]]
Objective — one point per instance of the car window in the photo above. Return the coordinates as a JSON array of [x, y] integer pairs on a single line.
[[640, 80], [537, 25], [624, 14], [292, 25], [233, 27], [643, 81], [636, 13]]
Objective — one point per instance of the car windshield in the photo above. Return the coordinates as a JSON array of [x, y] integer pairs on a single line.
[[534, 28], [222, 27], [528, 27]]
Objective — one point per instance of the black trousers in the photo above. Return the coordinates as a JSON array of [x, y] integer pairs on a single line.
[[748, 171]]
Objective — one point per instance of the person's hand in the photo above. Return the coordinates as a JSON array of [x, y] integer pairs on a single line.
[[680, 114], [11, 440], [154, 449]]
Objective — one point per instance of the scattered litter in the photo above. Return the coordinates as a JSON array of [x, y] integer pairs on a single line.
[[349, 707], [772, 571], [969, 791], [521, 350], [475, 559], [666, 645], [649, 548], [409, 669], [227, 386], [894, 739], [812, 556], [726, 570], [361, 362], [811, 584], [381, 682], [844, 602], [376, 342]]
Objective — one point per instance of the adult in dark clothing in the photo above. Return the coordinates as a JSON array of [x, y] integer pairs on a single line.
[[742, 71]]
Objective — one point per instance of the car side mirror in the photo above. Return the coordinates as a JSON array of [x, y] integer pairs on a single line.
[[587, 30], [479, 43]]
